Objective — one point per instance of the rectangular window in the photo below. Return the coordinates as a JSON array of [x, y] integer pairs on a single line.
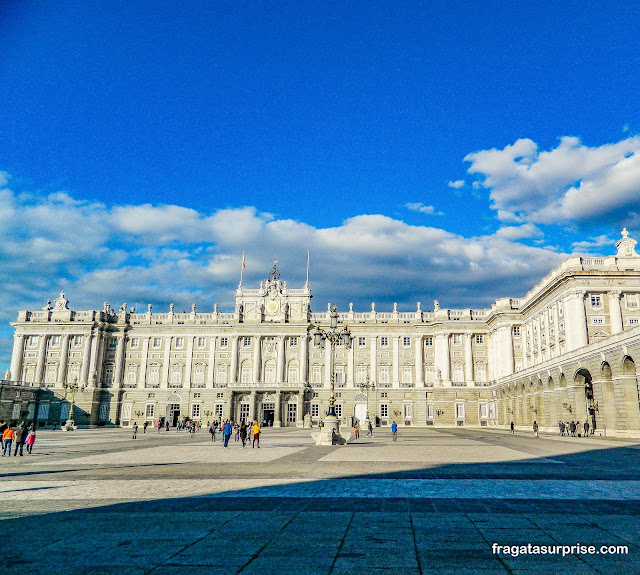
[[407, 409], [361, 374], [113, 342], [597, 320], [55, 341], [202, 341], [634, 321], [219, 395], [316, 374], [338, 409], [429, 375], [428, 340], [516, 331], [195, 410], [430, 410], [197, 395], [217, 410], [384, 342], [385, 375], [150, 411], [457, 339], [77, 340], [384, 410], [479, 339], [362, 341], [460, 411], [157, 342], [596, 301], [407, 374], [246, 341], [483, 410], [135, 342], [179, 342], [384, 394], [631, 300], [315, 410], [406, 341], [293, 341], [224, 341], [33, 341]]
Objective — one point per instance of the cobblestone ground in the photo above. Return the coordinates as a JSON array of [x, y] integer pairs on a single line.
[[435, 501]]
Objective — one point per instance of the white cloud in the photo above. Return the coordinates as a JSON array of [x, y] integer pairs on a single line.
[[586, 246], [143, 254], [569, 182], [457, 184], [420, 207]]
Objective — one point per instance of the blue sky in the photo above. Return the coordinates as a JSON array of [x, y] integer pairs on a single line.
[[420, 150]]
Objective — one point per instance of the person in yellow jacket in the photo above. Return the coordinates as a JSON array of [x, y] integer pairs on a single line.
[[256, 434]]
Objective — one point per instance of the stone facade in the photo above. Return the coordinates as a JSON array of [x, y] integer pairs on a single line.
[[564, 351]]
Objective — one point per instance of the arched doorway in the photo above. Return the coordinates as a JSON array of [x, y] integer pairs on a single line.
[[583, 379], [172, 411], [360, 408]]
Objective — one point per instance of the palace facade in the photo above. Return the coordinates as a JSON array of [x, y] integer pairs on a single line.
[[564, 351]]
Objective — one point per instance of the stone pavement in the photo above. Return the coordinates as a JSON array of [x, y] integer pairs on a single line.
[[435, 501]]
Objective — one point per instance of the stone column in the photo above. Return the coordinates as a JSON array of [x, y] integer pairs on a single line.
[[233, 377], [100, 343], [350, 365], [538, 324], [252, 406], [615, 312], [442, 356], [189, 364], [164, 380], [42, 357], [280, 363], [556, 329], [299, 410], [64, 359], [16, 357], [396, 361], [142, 381], [304, 359], [523, 335], [119, 366], [257, 358], [575, 320], [212, 362], [277, 417], [327, 363], [419, 362], [374, 359], [505, 351], [89, 358], [547, 332], [468, 358]]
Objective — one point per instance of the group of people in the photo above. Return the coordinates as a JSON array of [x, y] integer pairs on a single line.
[[574, 429], [21, 435], [245, 432]]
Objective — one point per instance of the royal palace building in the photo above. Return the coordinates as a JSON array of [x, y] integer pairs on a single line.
[[567, 350]]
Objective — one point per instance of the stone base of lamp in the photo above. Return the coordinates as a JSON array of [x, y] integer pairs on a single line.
[[70, 425], [330, 433]]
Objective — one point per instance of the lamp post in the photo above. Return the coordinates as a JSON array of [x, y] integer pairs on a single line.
[[366, 387], [335, 336], [70, 424]]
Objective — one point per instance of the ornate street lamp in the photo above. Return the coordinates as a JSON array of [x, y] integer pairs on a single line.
[[366, 387], [335, 336], [73, 387]]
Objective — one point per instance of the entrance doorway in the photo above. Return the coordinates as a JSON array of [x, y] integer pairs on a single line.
[[292, 414], [174, 413], [244, 412], [360, 412]]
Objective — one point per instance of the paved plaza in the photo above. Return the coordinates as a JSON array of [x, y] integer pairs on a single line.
[[435, 501]]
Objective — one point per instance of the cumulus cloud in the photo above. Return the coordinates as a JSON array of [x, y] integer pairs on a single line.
[[570, 182], [588, 246], [457, 184], [420, 207], [143, 254]]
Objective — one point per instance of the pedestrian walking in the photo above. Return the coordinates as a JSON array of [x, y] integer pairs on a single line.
[[243, 434], [212, 431], [159, 425], [31, 439], [8, 435], [256, 434], [370, 429], [394, 430], [586, 428], [535, 429], [21, 436], [167, 425], [512, 427], [144, 427], [135, 430], [226, 433], [561, 427], [356, 430], [236, 427]]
